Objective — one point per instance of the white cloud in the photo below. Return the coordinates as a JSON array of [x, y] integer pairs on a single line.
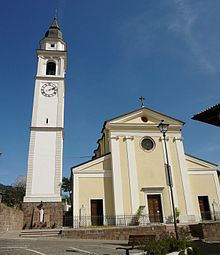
[[179, 18], [183, 23]]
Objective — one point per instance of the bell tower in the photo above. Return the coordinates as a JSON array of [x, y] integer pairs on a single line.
[[44, 177]]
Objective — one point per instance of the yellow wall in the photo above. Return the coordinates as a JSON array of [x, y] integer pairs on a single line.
[[92, 188], [150, 165], [202, 185], [151, 171]]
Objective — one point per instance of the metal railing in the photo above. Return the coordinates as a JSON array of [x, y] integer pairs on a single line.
[[210, 216], [119, 220], [133, 220]]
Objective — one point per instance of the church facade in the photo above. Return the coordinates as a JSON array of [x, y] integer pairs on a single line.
[[127, 177]]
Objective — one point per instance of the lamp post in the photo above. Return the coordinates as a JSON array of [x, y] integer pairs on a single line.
[[163, 127]]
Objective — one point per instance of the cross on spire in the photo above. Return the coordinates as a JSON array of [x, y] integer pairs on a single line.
[[55, 14], [142, 101]]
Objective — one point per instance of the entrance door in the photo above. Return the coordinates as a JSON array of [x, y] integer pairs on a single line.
[[97, 212], [155, 208], [204, 207]]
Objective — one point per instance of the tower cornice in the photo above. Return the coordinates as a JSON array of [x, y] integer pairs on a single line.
[[49, 77]]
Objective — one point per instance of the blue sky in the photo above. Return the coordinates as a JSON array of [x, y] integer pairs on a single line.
[[118, 50]]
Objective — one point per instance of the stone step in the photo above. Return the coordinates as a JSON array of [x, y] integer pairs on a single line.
[[40, 233]]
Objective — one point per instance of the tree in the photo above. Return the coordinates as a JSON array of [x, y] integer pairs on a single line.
[[66, 187], [13, 195]]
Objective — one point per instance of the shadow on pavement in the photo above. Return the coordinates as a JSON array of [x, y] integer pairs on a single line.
[[207, 248]]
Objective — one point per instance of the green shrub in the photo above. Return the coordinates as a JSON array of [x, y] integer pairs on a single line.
[[167, 245]]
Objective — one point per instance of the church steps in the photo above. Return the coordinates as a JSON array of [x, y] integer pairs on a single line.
[[41, 233]]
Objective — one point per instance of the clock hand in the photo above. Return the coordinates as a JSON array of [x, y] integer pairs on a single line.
[[51, 89]]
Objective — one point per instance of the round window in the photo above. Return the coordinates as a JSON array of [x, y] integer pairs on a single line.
[[144, 119], [147, 144]]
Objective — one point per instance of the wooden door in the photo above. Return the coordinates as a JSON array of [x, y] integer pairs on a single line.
[[204, 207], [155, 208], [97, 212]]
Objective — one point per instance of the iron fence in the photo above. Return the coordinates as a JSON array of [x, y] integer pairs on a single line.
[[133, 220], [106, 220], [210, 216]]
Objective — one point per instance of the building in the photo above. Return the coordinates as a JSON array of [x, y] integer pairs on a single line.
[[42, 202], [127, 178], [210, 115]]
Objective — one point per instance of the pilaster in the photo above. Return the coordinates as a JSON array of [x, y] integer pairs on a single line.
[[184, 175], [171, 166], [133, 179], [116, 174]]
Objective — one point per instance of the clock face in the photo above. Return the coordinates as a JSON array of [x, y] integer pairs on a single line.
[[49, 89]]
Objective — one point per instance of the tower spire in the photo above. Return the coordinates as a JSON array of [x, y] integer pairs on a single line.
[[54, 30]]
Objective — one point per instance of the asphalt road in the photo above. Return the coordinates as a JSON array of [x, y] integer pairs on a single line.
[[60, 246], [12, 245]]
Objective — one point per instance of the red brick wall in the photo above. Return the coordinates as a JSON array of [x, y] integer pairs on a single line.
[[10, 218]]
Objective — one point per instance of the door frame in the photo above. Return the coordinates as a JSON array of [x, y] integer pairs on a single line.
[[154, 191], [198, 206], [103, 204]]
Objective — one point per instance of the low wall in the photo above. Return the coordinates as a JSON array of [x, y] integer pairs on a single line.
[[111, 233], [211, 231], [10, 218]]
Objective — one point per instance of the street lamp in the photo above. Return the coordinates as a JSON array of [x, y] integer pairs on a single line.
[[163, 127]]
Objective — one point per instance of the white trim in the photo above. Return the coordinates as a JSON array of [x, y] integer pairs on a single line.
[[91, 163], [184, 176], [133, 179], [94, 175], [202, 172], [75, 195], [216, 180], [116, 174], [123, 134], [201, 162]]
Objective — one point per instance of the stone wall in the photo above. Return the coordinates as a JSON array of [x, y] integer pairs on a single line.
[[10, 218], [112, 233], [211, 231], [53, 215]]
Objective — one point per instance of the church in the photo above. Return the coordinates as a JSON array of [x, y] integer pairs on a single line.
[[137, 172], [128, 175]]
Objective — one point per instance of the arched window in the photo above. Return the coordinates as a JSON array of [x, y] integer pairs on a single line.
[[51, 68]]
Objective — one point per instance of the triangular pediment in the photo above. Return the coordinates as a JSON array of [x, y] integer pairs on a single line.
[[194, 163], [97, 165], [144, 116]]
